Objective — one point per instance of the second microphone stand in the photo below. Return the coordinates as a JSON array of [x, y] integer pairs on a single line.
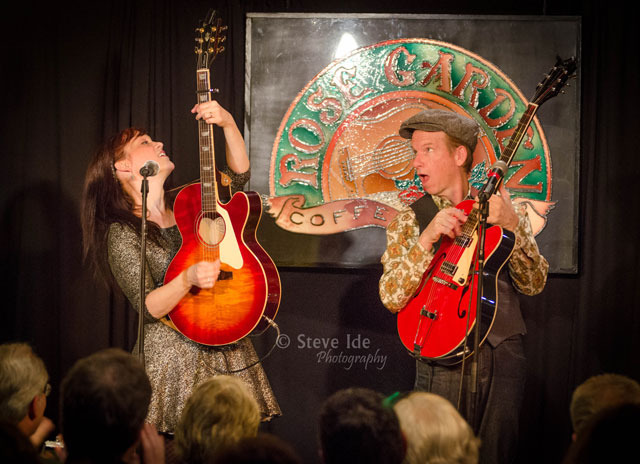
[[144, 189]]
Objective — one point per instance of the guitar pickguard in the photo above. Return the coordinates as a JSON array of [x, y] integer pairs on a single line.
[[463, 265], [229, 247]]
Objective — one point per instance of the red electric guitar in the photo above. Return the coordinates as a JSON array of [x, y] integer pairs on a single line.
[[247, 293], [437, 322]]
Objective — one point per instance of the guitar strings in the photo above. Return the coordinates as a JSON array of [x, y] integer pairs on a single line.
[[209, 194], [365, 168], [378, 160]]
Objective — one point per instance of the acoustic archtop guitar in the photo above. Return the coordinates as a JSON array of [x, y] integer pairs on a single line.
[[247, 293]]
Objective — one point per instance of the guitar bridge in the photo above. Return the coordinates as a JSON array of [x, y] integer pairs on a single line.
[[444, 282], [430, 314], [225, 275]]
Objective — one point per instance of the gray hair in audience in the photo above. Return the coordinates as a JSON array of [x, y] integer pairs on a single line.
[[23, 375], [435, 431]]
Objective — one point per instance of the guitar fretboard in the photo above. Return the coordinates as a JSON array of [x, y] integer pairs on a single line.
[[209, 190], [473, 220]]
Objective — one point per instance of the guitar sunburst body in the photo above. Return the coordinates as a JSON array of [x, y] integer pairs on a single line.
[[436, 322], [246, 296], [248, 286]]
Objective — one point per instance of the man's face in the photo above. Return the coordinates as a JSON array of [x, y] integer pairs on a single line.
[[437, 164]]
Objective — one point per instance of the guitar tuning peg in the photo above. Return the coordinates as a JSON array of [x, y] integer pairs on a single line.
[[220, 49], [223, 28], [223, 38]]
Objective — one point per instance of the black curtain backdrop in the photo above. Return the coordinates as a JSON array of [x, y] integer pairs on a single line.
[[74, 72]]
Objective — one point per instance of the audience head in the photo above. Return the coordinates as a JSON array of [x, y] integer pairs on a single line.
[[608, 436], [600, 392], [355, 427], [261, 449], [23, 387], [104, 400], [435, 431], [219, 413]]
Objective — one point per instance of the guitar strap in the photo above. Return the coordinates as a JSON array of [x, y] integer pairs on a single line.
[[425, 209]]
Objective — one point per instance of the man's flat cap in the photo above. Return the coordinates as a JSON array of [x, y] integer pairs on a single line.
[[434, 120]]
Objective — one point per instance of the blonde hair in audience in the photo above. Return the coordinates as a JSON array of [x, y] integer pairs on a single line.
[[435, 431], [23, 375], [219, 413]]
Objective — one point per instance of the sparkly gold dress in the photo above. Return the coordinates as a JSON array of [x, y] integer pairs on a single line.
[[175, 364]]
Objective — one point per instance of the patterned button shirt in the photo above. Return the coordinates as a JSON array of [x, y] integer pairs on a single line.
[[405, 259]]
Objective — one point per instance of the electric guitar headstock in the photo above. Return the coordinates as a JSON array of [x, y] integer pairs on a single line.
[[209, 39], [555, 80]]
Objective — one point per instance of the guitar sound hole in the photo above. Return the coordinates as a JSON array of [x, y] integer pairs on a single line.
[[462, 312], [212, 230]]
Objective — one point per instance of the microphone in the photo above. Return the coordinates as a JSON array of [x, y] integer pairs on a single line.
[[149, 169], [494, 176]]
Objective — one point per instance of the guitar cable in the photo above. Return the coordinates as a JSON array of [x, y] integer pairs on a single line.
[[270, 321], [273, 324]]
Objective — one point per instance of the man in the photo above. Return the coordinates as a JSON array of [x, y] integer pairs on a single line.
[[24, 387], [104, 401], [444, 142], [357, 427]]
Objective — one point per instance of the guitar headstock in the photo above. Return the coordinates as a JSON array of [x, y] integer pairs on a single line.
[[555, 80], [209, 39]]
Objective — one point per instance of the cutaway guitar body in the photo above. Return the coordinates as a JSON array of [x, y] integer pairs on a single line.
[[248, 286], [436, 322]]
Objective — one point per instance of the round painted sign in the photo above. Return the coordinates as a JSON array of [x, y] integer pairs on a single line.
[[338, 162]]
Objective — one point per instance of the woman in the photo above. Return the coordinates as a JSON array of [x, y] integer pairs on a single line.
[[112, 205]]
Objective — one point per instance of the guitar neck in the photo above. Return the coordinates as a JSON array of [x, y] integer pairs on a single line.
[[507, 156], [206, 147], [518, 134]]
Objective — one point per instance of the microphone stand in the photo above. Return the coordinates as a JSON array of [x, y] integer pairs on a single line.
[[144, 189], [495, 177], [483, 203]]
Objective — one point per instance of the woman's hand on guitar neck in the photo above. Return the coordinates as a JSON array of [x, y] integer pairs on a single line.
[[212, 113], [204, 274], [236, 153]]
